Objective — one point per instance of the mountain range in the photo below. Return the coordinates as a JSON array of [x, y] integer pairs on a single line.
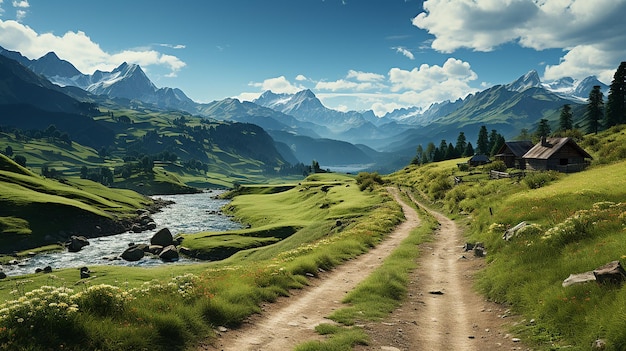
[[302, 122]]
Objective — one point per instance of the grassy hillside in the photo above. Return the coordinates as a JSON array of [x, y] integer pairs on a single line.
[[577, 224], [316, 224], [35, 211]]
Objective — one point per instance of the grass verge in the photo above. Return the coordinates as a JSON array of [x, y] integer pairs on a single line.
[[377, 296]]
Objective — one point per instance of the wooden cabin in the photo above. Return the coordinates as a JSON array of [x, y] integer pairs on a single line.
[[478, 160], [512, 153], [558, 154]]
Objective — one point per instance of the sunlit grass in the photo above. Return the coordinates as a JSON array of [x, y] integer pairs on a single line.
[[313, 235]]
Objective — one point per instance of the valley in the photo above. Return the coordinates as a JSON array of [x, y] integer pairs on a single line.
[[367, 255]]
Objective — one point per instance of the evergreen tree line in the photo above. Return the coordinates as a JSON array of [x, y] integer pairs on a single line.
[[601, 116], [486, 144], [598, 115]]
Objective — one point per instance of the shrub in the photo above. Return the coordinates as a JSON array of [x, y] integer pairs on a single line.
[[103, 300], [496, 166], [44, 317], [536, 180], [367, 180]]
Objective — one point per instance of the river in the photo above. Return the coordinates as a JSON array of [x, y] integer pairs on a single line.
[[190, 213]]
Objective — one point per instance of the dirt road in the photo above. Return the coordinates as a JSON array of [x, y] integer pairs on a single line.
[[442, 311]]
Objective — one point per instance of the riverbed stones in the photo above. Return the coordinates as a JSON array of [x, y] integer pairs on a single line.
[[163, 238], [169, 254], [133, 253], [76, 243]]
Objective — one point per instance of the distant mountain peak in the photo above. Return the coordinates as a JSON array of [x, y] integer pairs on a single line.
[[528, 80]]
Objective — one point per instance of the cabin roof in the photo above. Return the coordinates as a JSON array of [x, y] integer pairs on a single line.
[[517, 148], [549, 146], [480, 158]]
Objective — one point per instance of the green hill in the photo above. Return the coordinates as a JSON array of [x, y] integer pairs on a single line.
[[35, 211], [576, 224]]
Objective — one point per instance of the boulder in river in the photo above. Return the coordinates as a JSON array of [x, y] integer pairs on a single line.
[[163, 238], [133, 253], [169, 254], [76, 243]]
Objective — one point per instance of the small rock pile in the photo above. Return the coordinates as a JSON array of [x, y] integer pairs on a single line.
[[162, 244]]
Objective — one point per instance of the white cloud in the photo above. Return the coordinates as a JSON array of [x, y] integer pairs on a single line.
[[407, 53], [453, 74], [79, 49], [580, 27], [22, 4], [420, 86], [279, 85], [173, 46], [20, 13], [365, 76]]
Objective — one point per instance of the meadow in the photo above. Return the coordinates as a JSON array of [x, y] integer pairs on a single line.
[[121, 308], [577, 222]]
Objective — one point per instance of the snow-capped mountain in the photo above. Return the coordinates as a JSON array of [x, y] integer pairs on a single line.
[[575, 90], [527, 81], [306, 107], [127, 81]]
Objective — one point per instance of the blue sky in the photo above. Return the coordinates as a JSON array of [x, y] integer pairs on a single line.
[[353, 54]]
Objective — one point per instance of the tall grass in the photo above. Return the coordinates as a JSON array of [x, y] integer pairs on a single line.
[[127, 309], [377, 296], [577, 225]]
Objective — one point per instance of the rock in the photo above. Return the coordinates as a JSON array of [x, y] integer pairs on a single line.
[[509, 233], [76, 243], [151, 226], [163, 237], [169, 254], [579, 278], [136, 228], [185, 251], [84, 273], [47, 269], [610, 273], [479, 250], [468, 247], [2, 275], [155, 249], [133, 253], [598, 344]]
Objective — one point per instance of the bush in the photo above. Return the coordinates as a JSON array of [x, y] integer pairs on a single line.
[[367, 180], [103, 300], [496, 166], [536, 180], [43, 317]]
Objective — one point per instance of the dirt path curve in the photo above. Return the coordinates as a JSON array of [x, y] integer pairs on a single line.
[[442, 311], [441, 320]]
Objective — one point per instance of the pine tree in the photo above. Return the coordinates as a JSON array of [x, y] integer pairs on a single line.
[[493, 138], [469, 150], [594, 109], [498, 144], [543, 129], [451, 152], [566, 121], [430, 152], [461, 144], [482, 144], [616, 104]]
